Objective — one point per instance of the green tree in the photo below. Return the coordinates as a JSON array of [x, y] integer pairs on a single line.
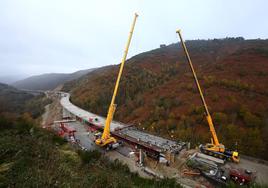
[[220, 118]]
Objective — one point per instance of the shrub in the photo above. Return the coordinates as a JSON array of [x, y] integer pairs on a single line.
[[190, 87], [116, 165], [231, 98], [58, 140], [262, 73], [197, 110], [219, 67], [24, 124], [4, 123], [89, 156], [220, 118], [242, 73], [252, 120], [171, 124], [215, 97]]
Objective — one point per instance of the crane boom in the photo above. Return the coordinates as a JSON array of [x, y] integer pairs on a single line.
[[106, 138], [208, 117]]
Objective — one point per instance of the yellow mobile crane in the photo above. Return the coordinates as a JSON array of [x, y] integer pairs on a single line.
[[106, 139], [215, 148]]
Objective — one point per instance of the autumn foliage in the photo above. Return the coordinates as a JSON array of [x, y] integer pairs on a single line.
[[157, 92]]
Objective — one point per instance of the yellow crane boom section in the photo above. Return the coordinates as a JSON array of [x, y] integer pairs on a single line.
[[112, 107], [208, 117]]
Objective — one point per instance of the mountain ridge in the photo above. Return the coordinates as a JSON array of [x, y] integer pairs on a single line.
[[48, 81]]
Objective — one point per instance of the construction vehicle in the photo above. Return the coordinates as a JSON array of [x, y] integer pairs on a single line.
[[215, 148], [67, 132], [106, 140], [242, 176], [219, 174]]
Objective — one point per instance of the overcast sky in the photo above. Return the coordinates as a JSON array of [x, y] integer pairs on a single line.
[[64, 36]]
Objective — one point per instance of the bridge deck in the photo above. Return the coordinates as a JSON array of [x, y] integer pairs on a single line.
[[123, 131]]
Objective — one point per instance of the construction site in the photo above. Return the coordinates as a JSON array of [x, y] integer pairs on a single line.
[[210, 165], [151, 155]]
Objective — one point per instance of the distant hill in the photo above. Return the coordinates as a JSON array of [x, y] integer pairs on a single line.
[[12, 99], [9, 79], [157, 92], [16, 101], [48, 81]]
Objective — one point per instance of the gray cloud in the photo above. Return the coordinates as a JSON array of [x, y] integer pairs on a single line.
[[38, 36]]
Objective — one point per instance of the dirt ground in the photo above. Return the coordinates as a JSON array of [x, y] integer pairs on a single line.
[[52, 113], [113, 155], [45, 115]]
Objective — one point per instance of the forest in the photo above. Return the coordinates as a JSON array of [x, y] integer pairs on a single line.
[[157, 93], [16, 102]]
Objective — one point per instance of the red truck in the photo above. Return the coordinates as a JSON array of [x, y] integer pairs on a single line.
[[69, 131], [242, 176]]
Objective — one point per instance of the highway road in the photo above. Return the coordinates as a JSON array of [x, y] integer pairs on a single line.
[[99, 120]]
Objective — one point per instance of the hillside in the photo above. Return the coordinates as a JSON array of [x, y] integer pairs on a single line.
[[16, 101], [12, 98], [157, 92], [48, 81], [34, 157], [9, 79]]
